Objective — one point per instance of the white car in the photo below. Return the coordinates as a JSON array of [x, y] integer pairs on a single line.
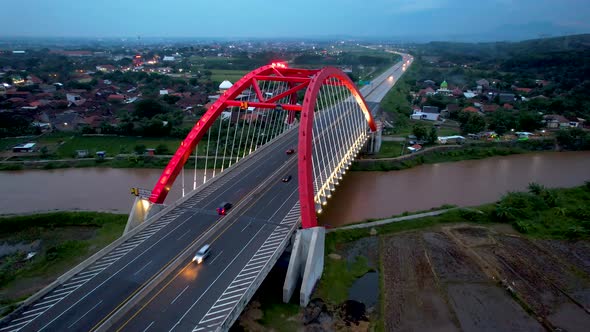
[[201, 254]]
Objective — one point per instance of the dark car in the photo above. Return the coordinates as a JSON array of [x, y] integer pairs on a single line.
[[286, 178], [290, 151], [222, 209]]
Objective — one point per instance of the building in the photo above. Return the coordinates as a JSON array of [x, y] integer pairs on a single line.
[[506, 97], [224, 86], [483, 83], [168, 58], [430, 109], [27, 147], [471, 109], [554, 121], [419, 115]]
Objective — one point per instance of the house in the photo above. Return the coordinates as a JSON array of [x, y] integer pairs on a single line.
[[507, 106], [27, 147], [32, 79], [471, 109], [483, 83], [116, 98], [427, 92], [106, 68], [415, 148], [522, 90], [430, 82], [168, 58], [419, 115], [506, 97], [430, 109], [469, 94], [489, 108], [451, 139], [553, 121], [66, 121], [81, 153]]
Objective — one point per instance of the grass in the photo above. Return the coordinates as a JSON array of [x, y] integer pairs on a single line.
[[338, 277], [66, 239], [8, 143], [113, 145], [219, 75], [390, 149]]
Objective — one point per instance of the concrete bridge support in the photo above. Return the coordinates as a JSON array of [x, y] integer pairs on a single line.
[[142, 209], [306, 264]]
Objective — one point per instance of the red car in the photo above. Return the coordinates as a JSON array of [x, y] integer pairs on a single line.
[[290, 151]]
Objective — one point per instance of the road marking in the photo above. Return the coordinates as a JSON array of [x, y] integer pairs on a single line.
[[245, 274], [109, 278], [54, 295], [177, 296], [238, 285], [224, 304], [45, 302], [219, 276], [183, 235], [214, 258], [148, 327], [87, 312], [253, 267], [13, 325], [148, 263], [246, 226], [211, 319], [218, 311]]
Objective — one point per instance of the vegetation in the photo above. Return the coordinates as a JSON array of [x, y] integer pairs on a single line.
[[541, 212], [64, 240], [338, 277]]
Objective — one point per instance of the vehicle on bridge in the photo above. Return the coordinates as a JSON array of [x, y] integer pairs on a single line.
[[290, 151], [202, 254], [222, 209], [286, 178]]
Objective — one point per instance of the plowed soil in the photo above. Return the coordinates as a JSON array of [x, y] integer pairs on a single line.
[[468, 278]]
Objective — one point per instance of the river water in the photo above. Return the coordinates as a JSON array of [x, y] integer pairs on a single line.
[[364, 195], [361, 195]]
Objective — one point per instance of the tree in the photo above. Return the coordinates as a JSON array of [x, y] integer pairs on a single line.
[[139, 149], [502, 121], [432, 136], [420, 131], [474, 124], [529, 121], [170, 99], [162, 149], [148, 108]]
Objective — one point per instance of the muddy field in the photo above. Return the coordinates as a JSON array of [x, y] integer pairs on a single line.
[[467, 278]]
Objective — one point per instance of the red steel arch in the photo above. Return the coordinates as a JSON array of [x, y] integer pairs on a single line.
[[312, 80], [305, 148], [274, 72]]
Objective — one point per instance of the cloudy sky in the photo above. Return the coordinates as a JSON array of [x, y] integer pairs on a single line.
[[296, 18]]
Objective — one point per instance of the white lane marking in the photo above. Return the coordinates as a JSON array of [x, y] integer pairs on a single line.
[[253, 267], [244, 279], [214, 258], [27, 317], [45, 302], [265, 250], [218, 311], [224, 304], [177, 296], [219, 276], [87, 312], [238, 285], [27, 313], [114, 274], [80, 277], [148, 263], [245, 274], [148, 327], [71, 283], [246, 226], [235, 290], [54, 295], [211, 319], [183, 235], [13, 325], [261, 259]]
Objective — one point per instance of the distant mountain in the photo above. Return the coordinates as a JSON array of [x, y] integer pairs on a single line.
[[532, 30]]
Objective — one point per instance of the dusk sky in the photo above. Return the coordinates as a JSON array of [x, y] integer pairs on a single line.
[[300, 18]]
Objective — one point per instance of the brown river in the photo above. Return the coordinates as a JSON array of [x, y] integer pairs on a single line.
[[361, 195]]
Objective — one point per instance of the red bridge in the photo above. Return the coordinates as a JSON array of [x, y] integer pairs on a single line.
[[274, 146]]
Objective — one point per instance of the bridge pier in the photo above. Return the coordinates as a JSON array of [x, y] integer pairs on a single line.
[[142, 209], [306, 264]]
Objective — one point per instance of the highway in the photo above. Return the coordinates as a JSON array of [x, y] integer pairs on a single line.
[[245, 244]]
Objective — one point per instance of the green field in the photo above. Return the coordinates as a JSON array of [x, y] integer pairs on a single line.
[[64, 240], [390, 149], [219, 75]]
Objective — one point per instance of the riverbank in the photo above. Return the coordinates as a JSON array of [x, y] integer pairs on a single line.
[[458, 270], [59, 241], [449, 153]]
